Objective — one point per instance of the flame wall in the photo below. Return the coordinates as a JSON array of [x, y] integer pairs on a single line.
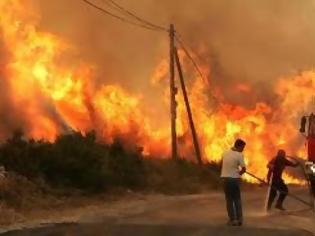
[[120, 88]]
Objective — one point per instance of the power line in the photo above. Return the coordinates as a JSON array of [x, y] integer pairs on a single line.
[[190, 57], [149, 26], [182, 44], [113, 7], [124, 10], [118, 17], [118, 10]]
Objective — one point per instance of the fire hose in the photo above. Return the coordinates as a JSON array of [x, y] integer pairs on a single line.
[[307, 178], [274, 188]]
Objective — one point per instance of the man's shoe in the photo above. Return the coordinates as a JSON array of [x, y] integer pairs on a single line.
[[230, 223], [279, 207], [236, 223], [239, 223]]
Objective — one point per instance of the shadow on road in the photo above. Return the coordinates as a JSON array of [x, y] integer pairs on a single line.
[[151, 230]]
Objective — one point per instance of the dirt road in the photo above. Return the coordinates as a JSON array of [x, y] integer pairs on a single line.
[[184, 215]]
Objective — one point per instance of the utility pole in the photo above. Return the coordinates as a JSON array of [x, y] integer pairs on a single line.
[[190, 116], [173, 92]]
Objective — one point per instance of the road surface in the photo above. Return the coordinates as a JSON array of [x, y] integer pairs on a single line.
[[197, 215]]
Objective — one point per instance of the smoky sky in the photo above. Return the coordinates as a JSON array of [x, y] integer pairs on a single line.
[[242, 41]]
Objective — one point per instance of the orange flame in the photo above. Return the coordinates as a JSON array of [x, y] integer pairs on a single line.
[[54, 97]]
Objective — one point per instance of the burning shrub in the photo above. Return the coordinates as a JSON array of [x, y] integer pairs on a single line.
[[77, 161], [124, 168], [74, 160]]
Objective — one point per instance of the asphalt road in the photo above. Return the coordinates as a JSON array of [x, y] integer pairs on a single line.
[[185, 215]]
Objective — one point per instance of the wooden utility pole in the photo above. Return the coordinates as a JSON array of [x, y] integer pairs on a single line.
[[190, 116], [173, 92]]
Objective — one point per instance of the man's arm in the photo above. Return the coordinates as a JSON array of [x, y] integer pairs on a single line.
[[242, 171], [242, 165], [290, 163], [270, 167], [269, 175]]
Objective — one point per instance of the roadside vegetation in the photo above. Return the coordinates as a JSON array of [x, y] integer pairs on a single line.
[[79, 165]]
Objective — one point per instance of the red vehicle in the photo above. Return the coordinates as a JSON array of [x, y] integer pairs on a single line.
[[308, 129]]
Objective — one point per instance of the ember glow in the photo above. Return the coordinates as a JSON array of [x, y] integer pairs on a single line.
[[53, 94]]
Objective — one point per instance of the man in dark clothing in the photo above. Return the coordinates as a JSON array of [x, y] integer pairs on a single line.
[[276, 167]]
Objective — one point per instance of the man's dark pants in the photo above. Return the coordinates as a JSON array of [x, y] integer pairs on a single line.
[[277, 185], [233, 198]]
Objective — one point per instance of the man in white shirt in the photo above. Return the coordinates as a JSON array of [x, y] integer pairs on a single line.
[[233, 167]]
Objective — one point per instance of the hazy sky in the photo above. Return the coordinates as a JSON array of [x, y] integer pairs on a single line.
[[243, 40]]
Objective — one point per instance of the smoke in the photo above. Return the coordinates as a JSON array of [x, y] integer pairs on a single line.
[[247, 45], [241, 41], [62, 58]]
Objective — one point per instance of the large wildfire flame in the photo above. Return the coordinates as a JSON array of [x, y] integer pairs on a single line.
[[54, 94]]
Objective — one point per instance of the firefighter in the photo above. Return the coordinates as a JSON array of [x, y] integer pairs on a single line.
[[276, 167]]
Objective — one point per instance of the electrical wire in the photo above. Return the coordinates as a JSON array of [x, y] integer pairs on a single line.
[[104, 11], [133, 15], [188, 54], [149, 26]]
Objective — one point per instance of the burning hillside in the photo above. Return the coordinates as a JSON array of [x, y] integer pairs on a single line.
[[46, 91]]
